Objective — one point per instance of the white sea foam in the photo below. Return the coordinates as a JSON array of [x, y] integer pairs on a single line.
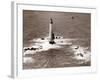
[[43, 45], [28, 60], [81, 53]]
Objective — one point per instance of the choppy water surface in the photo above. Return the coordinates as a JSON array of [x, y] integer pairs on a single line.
[[69, 53]]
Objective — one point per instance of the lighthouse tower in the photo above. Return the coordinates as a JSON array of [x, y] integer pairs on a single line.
[[51, 34]]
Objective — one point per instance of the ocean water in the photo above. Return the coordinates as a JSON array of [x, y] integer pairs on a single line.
[[69, 53]]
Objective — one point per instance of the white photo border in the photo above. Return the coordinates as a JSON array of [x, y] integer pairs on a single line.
[[17, 70]]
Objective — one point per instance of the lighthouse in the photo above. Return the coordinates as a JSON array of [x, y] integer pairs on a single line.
[[51, 34]]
